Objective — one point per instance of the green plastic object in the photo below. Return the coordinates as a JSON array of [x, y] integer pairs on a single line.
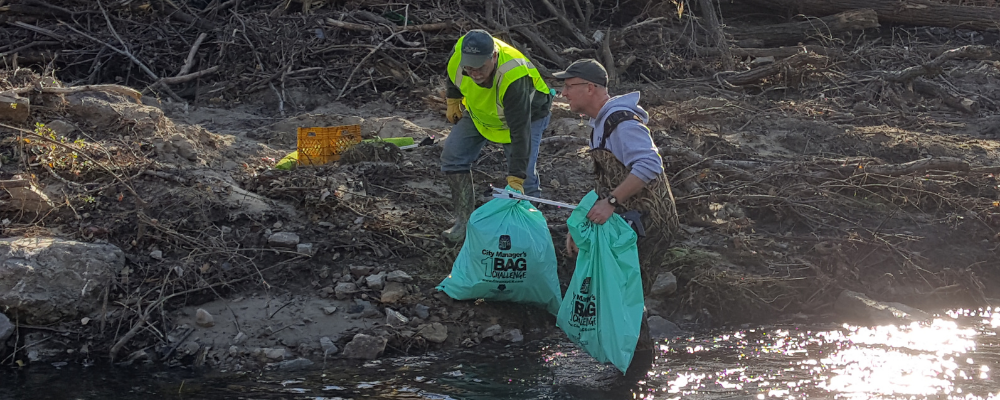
[[508, 255], [289, 162], [602, 310], [398, 141]]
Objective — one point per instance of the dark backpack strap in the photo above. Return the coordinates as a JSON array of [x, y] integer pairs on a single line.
[[612, 121]]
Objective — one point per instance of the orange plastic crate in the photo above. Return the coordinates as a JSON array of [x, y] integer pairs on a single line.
[[322, 145]]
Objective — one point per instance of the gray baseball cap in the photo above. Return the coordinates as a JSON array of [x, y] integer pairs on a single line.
[[587, 69], [477, 48]]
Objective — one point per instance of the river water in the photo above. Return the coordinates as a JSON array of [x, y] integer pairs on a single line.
[[956, 356]]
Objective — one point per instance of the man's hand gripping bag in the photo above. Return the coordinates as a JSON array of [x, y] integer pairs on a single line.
[[602, 310], [508, 255]]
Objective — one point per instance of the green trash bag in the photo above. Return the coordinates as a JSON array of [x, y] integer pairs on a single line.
[[508, 255], [289, 162], [602, 310]]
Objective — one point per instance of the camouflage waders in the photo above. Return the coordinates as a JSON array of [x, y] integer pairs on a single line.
[[659, 218]]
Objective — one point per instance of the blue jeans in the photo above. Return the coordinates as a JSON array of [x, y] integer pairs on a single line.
[[464, 143]]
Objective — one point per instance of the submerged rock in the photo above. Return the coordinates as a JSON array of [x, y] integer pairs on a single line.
[[6, 328], [365, 347], [329, 348], [660, 328], [858, 308]]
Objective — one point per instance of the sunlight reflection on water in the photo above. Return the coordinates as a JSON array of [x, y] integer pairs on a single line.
[[951, 357]]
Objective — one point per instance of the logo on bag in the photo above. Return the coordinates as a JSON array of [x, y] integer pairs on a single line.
[[584, 307], [503, 265], [501, 287], [504, 242]]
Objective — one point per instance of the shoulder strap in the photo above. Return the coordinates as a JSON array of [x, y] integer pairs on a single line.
[[612, 121]]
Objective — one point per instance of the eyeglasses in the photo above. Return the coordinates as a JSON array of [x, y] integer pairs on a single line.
[[573, 84], [481, 70]]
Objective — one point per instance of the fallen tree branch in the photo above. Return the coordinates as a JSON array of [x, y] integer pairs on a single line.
[[910, 12], [962, 104], [14, 183], [127, 91], [796, 32], [185, 78], [933, 67], [439, 26], [573, 30], [755, 75], [913, 167], [188, 63], [540, 44]]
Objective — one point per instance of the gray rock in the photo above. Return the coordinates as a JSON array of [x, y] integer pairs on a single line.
[[240, 338], [376, 281], [304, 248], [275, 354], [329, 310], [156, 255], [283, 239], [660, 328], [61, 127], [393, 292], [513, 336], [367, 310], [294, 365], [364, 347], [27, 199], [14, 108], [345, 289], [857, 308], [204, 319], [6, 329], [358, 271], [399, 276], [664, 285], [491, 331], [422, 311], [46, 280], [329, 348], [433, 332], [395, 319]]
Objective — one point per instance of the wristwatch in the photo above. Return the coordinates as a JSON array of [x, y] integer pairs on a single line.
[[612, 200]]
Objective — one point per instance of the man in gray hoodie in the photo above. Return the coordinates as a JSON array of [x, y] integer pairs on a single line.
[[629, 174]]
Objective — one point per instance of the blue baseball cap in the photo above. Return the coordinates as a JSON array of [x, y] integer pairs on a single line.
[[477, 48]]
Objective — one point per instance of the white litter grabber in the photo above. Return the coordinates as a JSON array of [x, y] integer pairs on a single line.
[[506, 194], [632, 217]]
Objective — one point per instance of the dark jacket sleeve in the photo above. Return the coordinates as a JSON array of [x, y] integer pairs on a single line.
[[517, 110], [452, 90]]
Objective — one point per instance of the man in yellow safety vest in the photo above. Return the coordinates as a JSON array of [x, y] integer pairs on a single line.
[[507, 102]]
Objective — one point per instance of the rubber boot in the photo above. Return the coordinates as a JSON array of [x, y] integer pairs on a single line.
[[642, 360], [464, 200]]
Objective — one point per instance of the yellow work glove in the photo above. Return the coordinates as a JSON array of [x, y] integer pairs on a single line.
[[516, 183], [454, 110]]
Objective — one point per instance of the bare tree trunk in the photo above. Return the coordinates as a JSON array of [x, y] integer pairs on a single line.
[[797, 32]]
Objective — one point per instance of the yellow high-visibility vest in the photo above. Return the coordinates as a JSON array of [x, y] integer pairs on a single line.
[[485, 105]]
